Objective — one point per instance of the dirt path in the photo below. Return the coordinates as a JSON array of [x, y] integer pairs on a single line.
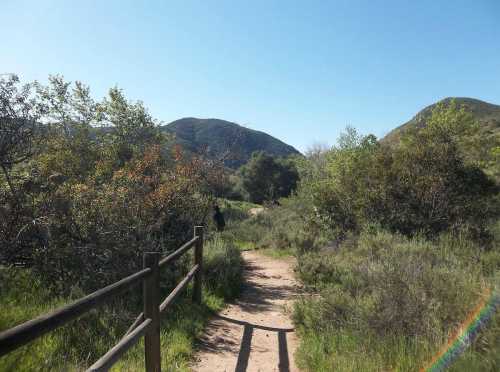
[[256, 211], [255, 333]]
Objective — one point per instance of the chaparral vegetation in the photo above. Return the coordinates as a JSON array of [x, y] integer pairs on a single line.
[[397, 242], [86, 187]]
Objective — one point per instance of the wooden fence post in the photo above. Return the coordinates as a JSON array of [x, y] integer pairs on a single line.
[[151, 292], [198, 260]]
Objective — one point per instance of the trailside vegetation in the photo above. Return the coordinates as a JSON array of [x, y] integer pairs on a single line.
[[86, 187], [266, 178], [396, 244]]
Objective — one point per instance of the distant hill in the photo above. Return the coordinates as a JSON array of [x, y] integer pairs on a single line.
[[487, 114], [488, 117], [220, 138]]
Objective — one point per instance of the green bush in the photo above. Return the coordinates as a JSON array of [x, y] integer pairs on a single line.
[[222, 267], [248, 231], [280, 228], [85, 193], [423, 185], [408, 295], [265, 178]]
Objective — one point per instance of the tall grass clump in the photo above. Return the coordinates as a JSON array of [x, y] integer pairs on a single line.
[[385, 302], [222, 268]]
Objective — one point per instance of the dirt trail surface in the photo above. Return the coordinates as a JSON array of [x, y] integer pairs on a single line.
[[255, 333], [255, 211]]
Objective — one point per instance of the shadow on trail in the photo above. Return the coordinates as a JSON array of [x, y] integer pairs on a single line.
[[246, 342], [258, 297], [261, 294]]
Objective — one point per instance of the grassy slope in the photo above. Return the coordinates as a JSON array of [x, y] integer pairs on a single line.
[[78, 344], [387, 303]]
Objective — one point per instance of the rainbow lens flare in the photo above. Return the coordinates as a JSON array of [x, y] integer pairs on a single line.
[[467, 333]]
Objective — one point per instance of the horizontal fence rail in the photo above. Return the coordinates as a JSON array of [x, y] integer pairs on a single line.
[[147, 324], [112, 356], [178, 253], [26, 332], [178, 289]]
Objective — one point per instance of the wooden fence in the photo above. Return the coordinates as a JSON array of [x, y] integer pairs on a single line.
[[147, 323]]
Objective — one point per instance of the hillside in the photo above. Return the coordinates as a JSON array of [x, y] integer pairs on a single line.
[[487, 138], [223, 139], [487, 114]]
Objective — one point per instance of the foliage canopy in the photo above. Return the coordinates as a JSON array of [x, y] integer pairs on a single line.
[[265, 178]]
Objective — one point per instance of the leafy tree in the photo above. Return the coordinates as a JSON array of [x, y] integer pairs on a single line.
[[19, 138], [431, 186], [70, 148], [266, 178], [341, 190], [132, 129], [424, 185], [19, 113], [97, 189]]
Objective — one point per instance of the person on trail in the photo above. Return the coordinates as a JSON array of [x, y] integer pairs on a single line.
[[219, 219]]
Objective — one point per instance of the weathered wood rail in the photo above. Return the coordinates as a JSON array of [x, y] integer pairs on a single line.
[[147, 323]]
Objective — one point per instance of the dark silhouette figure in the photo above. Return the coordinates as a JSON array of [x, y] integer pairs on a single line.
[[219, 219]]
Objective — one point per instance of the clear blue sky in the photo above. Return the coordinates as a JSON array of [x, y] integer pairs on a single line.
[[299, 70]]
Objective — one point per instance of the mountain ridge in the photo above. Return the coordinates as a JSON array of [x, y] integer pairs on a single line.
[[487, 114], [222, 138], [487, 137]]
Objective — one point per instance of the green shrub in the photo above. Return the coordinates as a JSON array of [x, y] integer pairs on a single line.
[[423, 185], [281, 228], [265, 178], [222, 267], [393, 300], [317, 270]]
